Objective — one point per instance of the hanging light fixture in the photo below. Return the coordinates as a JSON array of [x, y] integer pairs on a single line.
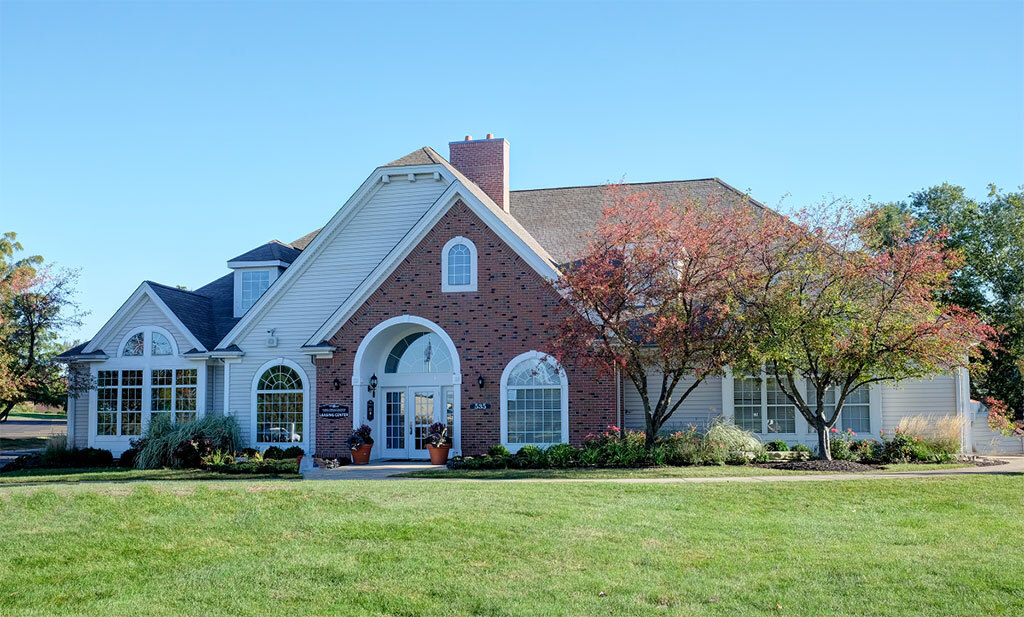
[[372, 388]]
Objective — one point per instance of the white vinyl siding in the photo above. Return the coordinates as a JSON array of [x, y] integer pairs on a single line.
[[145, 314], [933, 398], [308, 299], [699, 408]]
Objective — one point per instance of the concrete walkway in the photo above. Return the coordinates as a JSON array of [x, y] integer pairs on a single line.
[[386, 470], [377, 470]]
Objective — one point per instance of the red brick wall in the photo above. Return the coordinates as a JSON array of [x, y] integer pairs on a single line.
[[485, 162], [508, 315]]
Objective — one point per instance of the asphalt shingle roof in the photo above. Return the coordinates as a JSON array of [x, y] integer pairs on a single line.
[[271, 251]]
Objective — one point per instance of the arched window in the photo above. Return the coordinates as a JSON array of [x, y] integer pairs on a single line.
[[534, 402], [148, 341], [160, 346], [279, 406], [136, 345], [420, 352], [458, 265]]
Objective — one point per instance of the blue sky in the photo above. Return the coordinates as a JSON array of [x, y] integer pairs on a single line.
[[143, 140]]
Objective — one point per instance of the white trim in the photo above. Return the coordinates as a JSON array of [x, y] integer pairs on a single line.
[[539, 356], [394, 258], [447, 287], [243, 265], [281, 361], [143, 290], [349, 209]]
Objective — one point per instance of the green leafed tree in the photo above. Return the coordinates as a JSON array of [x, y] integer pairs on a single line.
[[989, 234], [36, 304]]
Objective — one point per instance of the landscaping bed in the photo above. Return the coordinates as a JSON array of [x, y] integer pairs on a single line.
[[818, 465]]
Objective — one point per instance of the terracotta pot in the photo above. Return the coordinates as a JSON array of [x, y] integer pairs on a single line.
[[438, 454], [362, 455]]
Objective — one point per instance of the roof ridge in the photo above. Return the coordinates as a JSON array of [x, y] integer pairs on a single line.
[[187, 291], [591, 186]]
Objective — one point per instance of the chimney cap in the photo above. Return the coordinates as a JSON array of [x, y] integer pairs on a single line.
[[490, 136], [469, 138]]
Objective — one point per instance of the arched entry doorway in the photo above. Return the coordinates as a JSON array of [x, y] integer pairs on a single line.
[[418, 379]]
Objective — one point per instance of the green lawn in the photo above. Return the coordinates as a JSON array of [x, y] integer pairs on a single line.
[[936, 546], [22, 443], [118, 474]]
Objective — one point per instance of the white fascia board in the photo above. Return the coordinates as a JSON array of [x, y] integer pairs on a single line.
[[241, 265], [143, 290], [405, 246]]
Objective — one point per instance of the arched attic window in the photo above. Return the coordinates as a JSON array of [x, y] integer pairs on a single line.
[[459, 266]]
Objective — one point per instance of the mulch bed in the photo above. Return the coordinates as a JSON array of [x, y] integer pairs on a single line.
[[818, 465]]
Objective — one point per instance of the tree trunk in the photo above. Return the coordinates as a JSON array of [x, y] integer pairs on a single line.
[[651, 434], [6, 411], [824, 439]]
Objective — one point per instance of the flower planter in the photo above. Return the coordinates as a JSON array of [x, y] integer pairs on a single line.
[[438, 454], [361, 455]]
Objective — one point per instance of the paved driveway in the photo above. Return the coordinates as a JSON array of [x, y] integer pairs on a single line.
[[31, 427]]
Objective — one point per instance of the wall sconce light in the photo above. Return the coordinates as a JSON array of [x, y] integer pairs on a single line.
[[480, 380], [337, 384], [372, 388]]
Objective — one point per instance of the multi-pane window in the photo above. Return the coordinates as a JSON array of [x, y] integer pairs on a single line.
[[119, 402], [781, 416], [534, 403], [173, 390], [185, 395], [394, 418], [254, 283], [459, 265], [279, 406], [759, 405], [747, 403], [856, 413], [160, 345]]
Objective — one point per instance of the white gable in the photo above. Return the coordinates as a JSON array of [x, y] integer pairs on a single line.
[[143, 312]]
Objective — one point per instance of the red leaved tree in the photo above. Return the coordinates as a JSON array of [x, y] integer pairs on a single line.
[[653, 295], [838, 306]]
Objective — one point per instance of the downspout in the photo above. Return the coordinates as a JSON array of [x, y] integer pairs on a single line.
[[618, 398]]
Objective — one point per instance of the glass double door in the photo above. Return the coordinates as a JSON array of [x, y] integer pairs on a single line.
[[408, 414]]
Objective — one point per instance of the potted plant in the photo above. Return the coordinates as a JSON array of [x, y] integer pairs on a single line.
[[361, 443], [438, 443]]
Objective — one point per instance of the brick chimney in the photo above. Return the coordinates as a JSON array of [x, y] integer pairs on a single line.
[[485, 162]]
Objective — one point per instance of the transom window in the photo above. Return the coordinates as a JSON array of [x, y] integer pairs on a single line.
[[160, 343], [534, 401], [458, 265], [254, 283], [420, 352], [279, 406]]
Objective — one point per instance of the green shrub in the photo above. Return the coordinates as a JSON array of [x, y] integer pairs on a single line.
[[531, 457], [736, 441], [498, 450], [266, 466], [681, 448], [75, 458], [562, 455], [777, 446], [127, 458], [185, 443], [294, 452], [801, 448], [273, 453]]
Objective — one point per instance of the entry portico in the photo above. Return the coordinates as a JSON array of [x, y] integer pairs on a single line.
[[415, 368]]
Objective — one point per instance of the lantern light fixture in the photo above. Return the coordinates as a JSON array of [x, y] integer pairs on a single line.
[[372, 388]]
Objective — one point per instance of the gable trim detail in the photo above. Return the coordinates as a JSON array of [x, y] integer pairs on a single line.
[[143, 291]]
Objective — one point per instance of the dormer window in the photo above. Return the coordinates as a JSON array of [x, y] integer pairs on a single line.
[[254, 283], [250, 285], [458, 265]]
